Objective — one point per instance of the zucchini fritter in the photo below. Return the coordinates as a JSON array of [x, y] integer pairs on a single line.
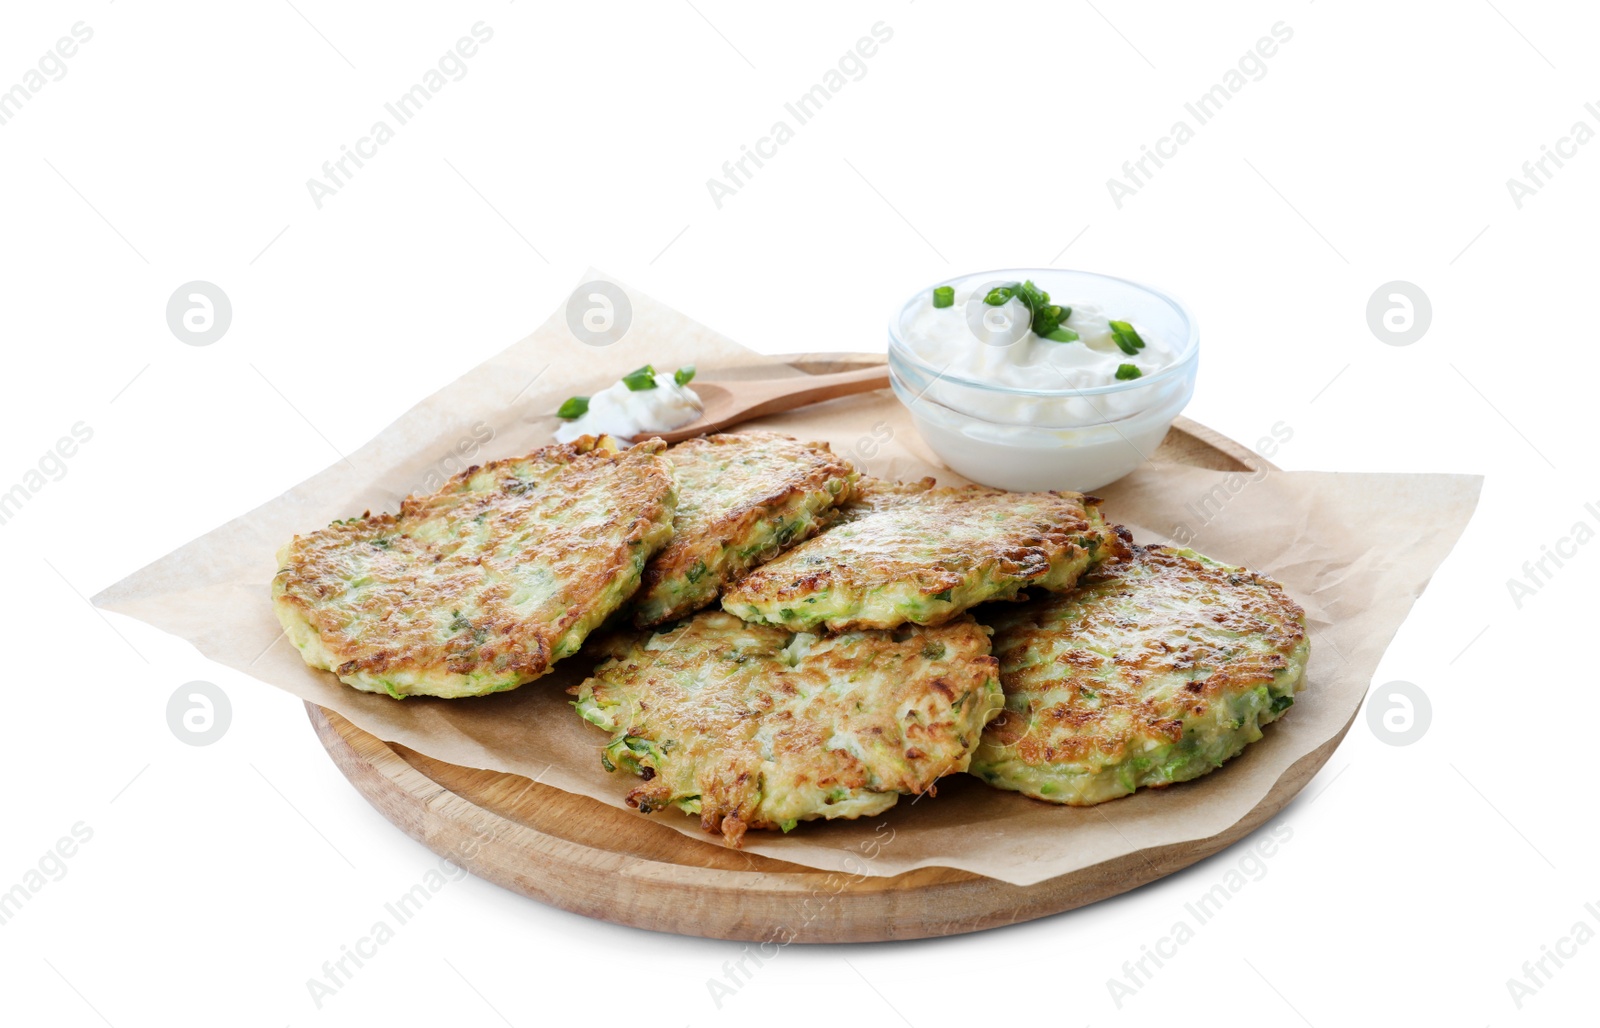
[[750, 726], [742, 500], [483, 585], [906, 552], [1156, 670]]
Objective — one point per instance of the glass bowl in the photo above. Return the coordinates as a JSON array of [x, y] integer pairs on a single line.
[[1047, 435]]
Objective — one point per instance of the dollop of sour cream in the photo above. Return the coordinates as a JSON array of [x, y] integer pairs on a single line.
[[629, 413], [980, 343]]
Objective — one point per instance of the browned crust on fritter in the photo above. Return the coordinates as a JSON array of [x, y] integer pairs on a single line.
[[745, 735], [1241, 605], [1003, 562], [702, 533], [396, 626]]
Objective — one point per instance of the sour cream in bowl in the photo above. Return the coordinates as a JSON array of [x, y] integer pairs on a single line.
[[1033, 379]]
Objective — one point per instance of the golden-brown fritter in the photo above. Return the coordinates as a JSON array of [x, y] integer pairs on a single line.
[[742, 500], [750, 726], [1156, 670], [908, 552], [483, 585]]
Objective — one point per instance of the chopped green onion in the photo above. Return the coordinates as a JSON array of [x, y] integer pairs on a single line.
[[640, 379], [1128, 372], [684, 375], [1031, 295], [1048, 318], [1128, 340], [944, 296], [1050, 321], [575, 407], [999, 295]]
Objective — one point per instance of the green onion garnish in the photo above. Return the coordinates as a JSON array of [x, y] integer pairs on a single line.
[[999, 295], [1032, 296], [1128, 340], [1127, 372], [1048, 318], [575, 407], [684, 375], [944, 296], [640, 379]]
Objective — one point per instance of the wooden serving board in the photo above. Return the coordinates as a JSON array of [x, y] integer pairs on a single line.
[[582, 855]]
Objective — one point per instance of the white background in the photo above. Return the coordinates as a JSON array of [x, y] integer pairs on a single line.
[[1377, 146]]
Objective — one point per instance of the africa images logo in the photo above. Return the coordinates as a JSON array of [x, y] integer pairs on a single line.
[[337, 173], [1252, 67], [736, 174]]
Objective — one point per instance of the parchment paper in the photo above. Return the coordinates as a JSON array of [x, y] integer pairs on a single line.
[[1354, 550]]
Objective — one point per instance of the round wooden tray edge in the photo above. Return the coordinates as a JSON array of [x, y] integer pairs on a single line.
[[679, 898]]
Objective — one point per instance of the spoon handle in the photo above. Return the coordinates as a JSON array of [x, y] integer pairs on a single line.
[[789, 393], [749, 399]]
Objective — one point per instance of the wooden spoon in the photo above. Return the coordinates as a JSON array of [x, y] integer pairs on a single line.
[[728, 403]]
